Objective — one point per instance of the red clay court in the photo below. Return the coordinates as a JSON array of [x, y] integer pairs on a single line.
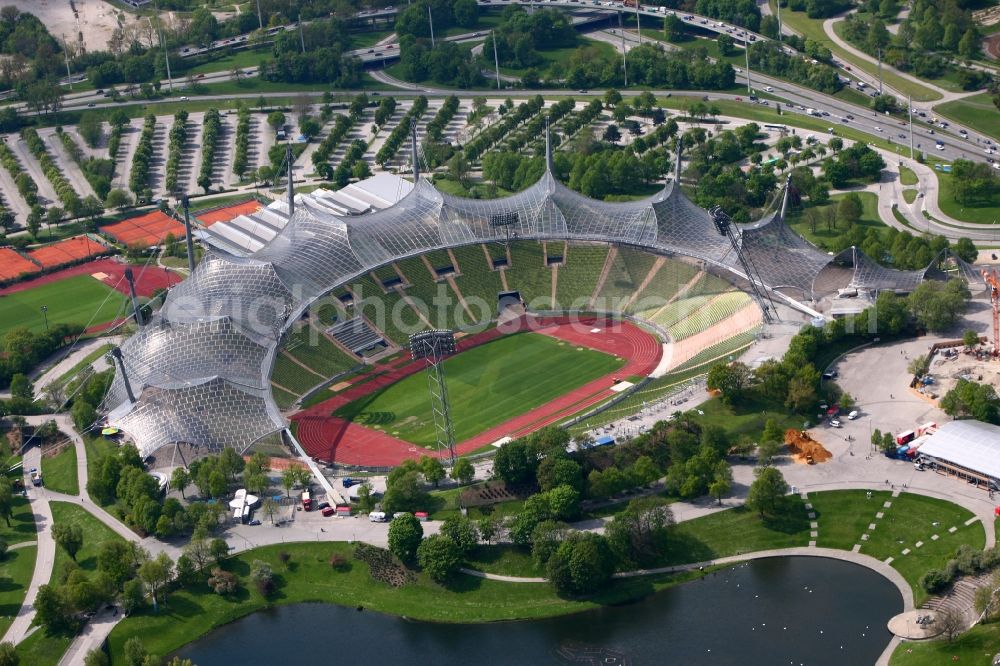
[[148, 229], [330, 438], [66, 251], [226, 213], [13, 265], [147, 280]]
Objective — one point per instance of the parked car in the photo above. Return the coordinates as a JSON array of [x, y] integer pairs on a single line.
[[348, 482], [323, 505], [328, 511], [835, 423], [853, 415], [378, 517], [254, 522]]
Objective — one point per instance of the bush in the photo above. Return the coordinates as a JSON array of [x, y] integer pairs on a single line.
[[338, 562], [934, 581]]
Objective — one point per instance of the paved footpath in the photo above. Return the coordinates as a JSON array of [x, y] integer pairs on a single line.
[[39, 501]]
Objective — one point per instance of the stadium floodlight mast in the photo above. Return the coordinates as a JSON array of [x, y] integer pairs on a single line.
[[433, 346], [185, 203], [45, 315], [166, 54], [724, 225]]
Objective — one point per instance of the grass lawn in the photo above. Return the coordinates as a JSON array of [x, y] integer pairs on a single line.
[[59, 471], [42, 649], [913, 518], [16, 569], [554, 61], [361, 40], [747, 418], [987, 212], [97, 448], [22, 523], [487, 385], [909, 196], [975, 111], [74, 300], [95, 534], [907, 176], [976, 646], [826, 238], [504, 560], [738, 530], [189, 614], [844, 515], [813, 29], [243, 58]]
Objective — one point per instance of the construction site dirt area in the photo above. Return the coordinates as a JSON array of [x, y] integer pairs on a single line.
[[946, 370], [805, 449]]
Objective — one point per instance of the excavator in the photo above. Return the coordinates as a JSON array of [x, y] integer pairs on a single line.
[[993, 282]]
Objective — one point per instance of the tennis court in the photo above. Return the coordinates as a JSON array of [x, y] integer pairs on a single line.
[[66, 251], [226, 213], [13, 265], [148, 229]]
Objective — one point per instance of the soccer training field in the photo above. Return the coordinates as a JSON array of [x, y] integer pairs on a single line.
[[487, 385], [72, 301]]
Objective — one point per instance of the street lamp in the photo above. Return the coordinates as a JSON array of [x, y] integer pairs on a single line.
[[45, 315]]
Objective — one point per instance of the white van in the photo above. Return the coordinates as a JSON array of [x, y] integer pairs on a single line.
[[769, 89], [378, 517]]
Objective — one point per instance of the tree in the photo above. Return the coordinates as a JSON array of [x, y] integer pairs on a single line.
[[463, 471], [950, 622], [972, 400], [8, 656], [639, 532], [722, 482], [117, 198], [180, 479], [515, 462], [612, 97], [289, 478], [732, 379], [20, 387], [52, 610], [156, 573], [133, 596], [766, 490], [69, 537], [673, 28], [276, 119], [611, 134], [970, 339], [937, 305], [222, 582], [849, 210], [432, 469], [263, 577], [95, 657], [582, 564], [462, 531], [404, 491], [405, 535], [965, 249], [559, 470], [440, 557], [489, 528]]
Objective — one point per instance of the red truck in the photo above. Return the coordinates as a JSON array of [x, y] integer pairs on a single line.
[[307, 503]]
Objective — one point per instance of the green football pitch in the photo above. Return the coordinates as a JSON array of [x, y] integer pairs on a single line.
[[487, 386], [74, 300]]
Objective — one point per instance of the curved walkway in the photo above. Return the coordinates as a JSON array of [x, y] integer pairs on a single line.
[[878, 566]]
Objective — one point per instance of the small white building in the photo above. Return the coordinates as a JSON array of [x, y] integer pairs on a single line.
[[242, 504]]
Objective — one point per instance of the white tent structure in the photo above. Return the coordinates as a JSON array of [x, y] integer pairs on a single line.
[[967, 449]]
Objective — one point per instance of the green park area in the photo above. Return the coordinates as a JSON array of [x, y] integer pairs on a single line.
[[190, 613], [45, 648], [813, 29], [982, 210], [59, 470], [817, 228], [16, 569], [487, 385], [77, 300]]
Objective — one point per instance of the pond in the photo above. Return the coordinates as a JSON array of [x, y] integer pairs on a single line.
[[794, 610]]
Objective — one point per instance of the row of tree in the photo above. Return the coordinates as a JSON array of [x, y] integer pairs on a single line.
[[401, 131], [241, 160], [67, 195], [97, 170], [139, 176], [175, 148], [209, 139]]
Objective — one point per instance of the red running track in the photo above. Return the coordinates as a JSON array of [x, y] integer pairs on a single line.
[[147, 280], [329, 438]]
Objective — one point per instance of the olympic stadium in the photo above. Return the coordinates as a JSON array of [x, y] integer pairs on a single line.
[[211, 369]]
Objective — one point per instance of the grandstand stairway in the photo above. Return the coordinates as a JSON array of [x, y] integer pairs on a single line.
[[355, 334]]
